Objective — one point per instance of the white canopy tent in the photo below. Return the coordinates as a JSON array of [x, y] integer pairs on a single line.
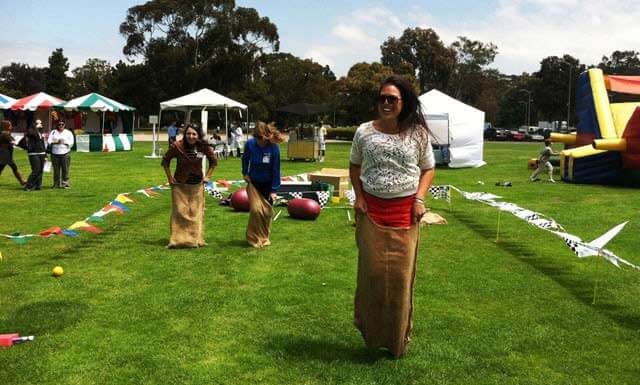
[[463, 134], [203, 99]]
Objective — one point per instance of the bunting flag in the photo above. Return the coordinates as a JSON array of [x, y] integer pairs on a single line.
[[118, 205], [351, 196]]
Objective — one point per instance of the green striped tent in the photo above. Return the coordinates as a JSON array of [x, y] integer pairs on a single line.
[[102, 142]]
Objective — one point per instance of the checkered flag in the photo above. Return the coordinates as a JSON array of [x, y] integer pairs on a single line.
[[323, 198], [295, 195], [351, 196], [441, 192]]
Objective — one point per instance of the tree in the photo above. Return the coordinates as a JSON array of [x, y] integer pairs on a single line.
[[358, 90], [621, 63], [19, 79], [421, 53], [93, 76], [199, 43], [57, 83], [468, 75], [556, 78]]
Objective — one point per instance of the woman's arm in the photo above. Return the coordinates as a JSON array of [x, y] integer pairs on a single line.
[[354, 174], [426, 177]]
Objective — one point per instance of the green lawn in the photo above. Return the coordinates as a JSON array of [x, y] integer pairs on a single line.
[[129, 311]]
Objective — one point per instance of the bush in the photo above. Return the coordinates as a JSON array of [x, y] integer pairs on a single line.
[[341, 133]]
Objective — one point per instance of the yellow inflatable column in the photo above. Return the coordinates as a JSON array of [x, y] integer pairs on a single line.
[[601, 104]]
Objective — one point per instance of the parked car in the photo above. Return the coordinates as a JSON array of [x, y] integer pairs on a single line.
[[518, 136], [537, 138], [501, 134]]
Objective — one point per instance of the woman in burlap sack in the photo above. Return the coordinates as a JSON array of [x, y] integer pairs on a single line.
[[391, 168], [261, 171], [187, 190]]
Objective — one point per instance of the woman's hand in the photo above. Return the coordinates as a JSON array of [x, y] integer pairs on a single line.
[[172, 180], [360, 205], [417, 211], [273, 196], [206, 179], [246, 178]]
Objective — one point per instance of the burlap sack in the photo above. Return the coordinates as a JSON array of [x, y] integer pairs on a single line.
[[187, 216], [384, 294], [260, 215]]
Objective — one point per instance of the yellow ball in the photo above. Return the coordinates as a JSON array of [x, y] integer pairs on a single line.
[[57, 271]]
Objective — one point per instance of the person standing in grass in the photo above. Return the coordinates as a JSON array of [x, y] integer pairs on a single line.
[[6, 151], [544, 163], [60, 141], [391, 168], [187, 189], [261, 171], [172, 133], [34, 144]]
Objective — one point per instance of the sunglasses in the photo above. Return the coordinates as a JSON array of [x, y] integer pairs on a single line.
[[388, 99]]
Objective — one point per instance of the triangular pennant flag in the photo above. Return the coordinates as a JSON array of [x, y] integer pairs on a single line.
[[120, 205], [110, 207], [78, 225], [123, 198], [91, 229], [94, 218], [51, 231], [69, 233]]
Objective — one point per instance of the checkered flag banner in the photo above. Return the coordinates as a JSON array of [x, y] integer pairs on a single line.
[[441, 192], [322, 197], [580, 248]]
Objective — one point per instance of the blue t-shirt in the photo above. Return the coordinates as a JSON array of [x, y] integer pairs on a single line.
[[262, 164], [172, 131]]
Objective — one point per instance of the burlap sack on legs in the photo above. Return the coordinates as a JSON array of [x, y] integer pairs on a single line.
[[187, 216], [384, 294], [260, 215]]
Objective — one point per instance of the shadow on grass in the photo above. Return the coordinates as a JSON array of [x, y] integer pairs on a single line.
[[45, 317], [160, 242], [309, 349], [241, 243], [578, 287]]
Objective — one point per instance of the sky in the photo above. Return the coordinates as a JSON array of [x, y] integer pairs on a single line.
[[342, 33]]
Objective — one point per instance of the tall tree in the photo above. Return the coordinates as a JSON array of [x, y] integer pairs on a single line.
[[472, 58], [199, 43], [93, 76], [57, 83], [555, 90], [358, 90], [19, 79], [621, 63], [421, 53]]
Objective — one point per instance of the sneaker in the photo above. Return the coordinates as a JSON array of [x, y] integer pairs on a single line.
[[66, 186], [535, 180], [552, 181]]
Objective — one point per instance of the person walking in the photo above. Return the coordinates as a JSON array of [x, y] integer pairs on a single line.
[[172, 132], [261, 171], [544, 163], [36, 147], [60, 141], [391, 168], [6, 151], [187, 189]]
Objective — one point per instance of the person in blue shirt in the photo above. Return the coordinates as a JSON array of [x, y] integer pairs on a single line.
[[261, 171], [172, 132]]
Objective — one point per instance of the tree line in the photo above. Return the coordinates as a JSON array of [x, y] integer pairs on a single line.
[[175, 47]]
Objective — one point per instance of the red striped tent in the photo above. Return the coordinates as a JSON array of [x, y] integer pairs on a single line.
[[37, 101]]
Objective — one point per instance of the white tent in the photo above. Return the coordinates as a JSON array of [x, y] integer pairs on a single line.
[[463, 134], [203, 99]]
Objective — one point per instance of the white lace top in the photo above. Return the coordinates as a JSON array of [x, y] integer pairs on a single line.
[[390, 164]]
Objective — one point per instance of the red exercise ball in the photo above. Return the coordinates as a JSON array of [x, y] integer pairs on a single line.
[[240, 200], [303, 208]]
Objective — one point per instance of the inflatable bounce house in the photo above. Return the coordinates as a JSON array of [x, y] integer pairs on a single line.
[[606, 147]]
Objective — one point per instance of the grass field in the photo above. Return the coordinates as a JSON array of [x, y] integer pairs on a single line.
[[129, 311]]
